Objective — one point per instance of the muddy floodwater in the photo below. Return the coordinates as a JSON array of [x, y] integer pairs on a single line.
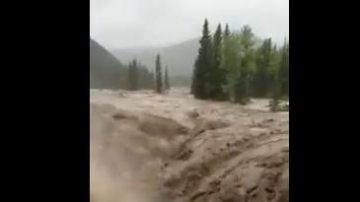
[[147, 147]]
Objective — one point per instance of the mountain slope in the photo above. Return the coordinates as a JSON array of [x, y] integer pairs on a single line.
[[179, 58], [106, 71]]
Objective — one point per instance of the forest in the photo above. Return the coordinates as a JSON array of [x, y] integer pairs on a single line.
[[231, 66]]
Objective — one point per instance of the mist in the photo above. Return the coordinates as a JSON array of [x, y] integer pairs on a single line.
[[153, 23], [184, 110]]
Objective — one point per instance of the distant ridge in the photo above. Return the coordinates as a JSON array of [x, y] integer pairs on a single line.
[[106, 71], [179, 58]]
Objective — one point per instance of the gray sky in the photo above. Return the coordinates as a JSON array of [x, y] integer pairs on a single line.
[[139, 23]]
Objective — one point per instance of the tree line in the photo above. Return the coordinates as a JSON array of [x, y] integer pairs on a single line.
[[139, 77], [232, 66]]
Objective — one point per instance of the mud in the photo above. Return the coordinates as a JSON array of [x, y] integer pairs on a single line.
[[150, 148]]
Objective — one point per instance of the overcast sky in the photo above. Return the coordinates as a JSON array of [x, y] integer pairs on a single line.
[[141, 23]]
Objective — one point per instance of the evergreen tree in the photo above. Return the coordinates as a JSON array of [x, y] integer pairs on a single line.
[[276, 93], [142, 71], [229, 67], [167, 84], [159, 84], [261, 82], [284, 70], [227, 31], [226, 49], [216, 80], [152, 79], [202, 63], [280, 87], [144, 77], [129, 76], [136, 75], [247, 65], [230, 60], [275, 84], [149, 80], [241, 90], [133, 75]]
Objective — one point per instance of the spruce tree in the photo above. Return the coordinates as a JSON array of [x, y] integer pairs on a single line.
[[202, 63], [144, 77], [136, 75], [229, 60], [133, 75], [276, 93], [276, 84], [159, 84], [167, 84], [242, 84], [261, 82], [149, 80], [129, 77], [227, 31], [284, 70], [280, 86], [152, 84], [216, 75], [241, 87]]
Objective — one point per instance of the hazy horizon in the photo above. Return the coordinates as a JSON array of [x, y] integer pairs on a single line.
[[124, 24]]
